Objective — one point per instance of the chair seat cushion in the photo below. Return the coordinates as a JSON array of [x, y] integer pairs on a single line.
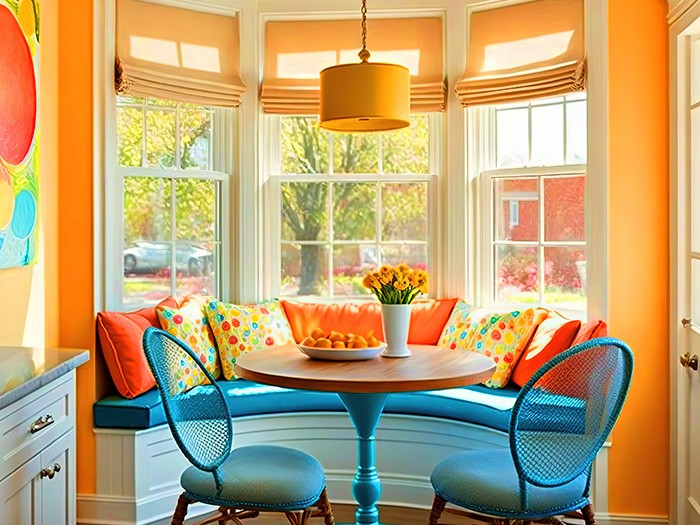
[[262, 476], [474, 404], [486, 481]]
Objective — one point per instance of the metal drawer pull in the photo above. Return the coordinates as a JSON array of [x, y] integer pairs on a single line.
[[50, 472], [41, 423]]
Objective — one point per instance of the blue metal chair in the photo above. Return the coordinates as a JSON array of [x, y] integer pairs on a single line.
[[559, 422], [242, 482]]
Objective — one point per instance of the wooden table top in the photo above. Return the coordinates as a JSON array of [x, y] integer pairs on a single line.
[[429, 368]]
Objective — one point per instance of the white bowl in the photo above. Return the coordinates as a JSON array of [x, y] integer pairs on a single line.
[[339, 354]]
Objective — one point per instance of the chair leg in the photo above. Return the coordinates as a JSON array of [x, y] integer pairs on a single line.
[[298, 517], [324, 509], [588, 514], [436, 510], [180, 510]]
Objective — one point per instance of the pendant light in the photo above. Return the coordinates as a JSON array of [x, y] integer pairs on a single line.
[[365, 97]]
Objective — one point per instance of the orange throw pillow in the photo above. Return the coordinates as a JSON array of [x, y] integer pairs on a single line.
[[120, 336], [427, 319], [552, 337], [591, 330]]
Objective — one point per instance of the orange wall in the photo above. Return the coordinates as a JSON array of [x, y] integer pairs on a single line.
[[75, 210], [639, 250], [29, 294]]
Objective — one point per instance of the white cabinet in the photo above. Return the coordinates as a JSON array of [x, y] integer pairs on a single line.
[[37, 457]]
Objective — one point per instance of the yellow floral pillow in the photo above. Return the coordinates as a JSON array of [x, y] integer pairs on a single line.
[[190, 325], [502, 337], [458, 331], [242, 329]]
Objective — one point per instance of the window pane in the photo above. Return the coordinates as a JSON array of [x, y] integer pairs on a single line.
[[304, 270], [355, 153], [147, 253], [576, 133], [565, 277], [405, 212], [408, 150], [304, 211], [516, 208], [547, 135], [414, 255], [196, 268], [354, 211], [512, 138], [160, 138], [195, 137], [350, 264], [563, 209], [130, 136], [196, 217], [161, 102], [303, 145], [517, 277]]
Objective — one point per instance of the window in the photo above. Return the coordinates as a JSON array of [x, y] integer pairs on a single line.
[[171, 200], [536, 242], [347, 203]]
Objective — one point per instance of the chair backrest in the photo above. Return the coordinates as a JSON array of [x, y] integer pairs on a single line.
[[564, 414], [199, 418]]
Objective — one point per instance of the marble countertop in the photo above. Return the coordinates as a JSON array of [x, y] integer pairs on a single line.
[[24, 370]]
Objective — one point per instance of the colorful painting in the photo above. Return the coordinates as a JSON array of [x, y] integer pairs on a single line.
[[19, 134]]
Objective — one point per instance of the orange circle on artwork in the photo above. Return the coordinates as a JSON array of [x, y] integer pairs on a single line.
[[17, 91], [7, 198]]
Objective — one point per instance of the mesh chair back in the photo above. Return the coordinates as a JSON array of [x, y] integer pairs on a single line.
[[199, 418], [566, 411]]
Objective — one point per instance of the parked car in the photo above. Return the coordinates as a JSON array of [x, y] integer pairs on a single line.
[[152, 257]]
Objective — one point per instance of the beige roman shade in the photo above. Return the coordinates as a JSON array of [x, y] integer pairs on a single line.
[[178, 54], [297, 51], [524, 51]]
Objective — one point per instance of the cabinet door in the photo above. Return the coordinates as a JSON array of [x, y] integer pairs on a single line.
[[58, 491], [19, 493]]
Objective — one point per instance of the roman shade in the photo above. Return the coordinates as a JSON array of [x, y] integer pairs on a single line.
[[524, 51], [177, 54], [297, 51]]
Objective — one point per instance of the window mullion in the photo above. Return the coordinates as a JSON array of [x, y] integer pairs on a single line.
[[541, 230], [379, 234], [331, 238], [173, 226], [176, 162]]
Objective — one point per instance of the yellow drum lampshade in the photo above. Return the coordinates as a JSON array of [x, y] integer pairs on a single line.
[[365, 97]]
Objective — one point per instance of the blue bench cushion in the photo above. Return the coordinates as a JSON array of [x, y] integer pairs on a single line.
[[473, 404]]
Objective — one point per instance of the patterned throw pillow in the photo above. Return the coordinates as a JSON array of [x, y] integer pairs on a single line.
[[502, 337], [242, 329], [188, 322], [458, 332]]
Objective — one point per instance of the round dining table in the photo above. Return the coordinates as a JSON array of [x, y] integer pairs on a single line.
[[363, 387]]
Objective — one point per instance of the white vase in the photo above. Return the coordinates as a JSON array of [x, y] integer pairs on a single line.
[[396, 319]]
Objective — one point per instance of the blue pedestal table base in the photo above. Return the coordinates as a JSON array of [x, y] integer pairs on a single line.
[[365, 411]]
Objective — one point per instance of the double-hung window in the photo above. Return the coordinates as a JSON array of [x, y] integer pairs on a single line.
[[532, 186], [343, 204], [172, 192]]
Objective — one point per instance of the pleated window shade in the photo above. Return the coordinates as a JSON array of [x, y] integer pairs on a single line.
[[178, 54], [524, 51], [297, 51]]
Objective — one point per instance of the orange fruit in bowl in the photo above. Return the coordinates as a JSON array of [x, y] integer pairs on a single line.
[[309, 341], [337, 336], [373, 342], [317, 334], [338, 345], [323, 343]]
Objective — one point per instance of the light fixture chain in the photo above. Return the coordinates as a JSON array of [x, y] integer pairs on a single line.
[[364, 54]]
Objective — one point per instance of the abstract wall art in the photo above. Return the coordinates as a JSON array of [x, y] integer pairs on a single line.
[[19, 134]]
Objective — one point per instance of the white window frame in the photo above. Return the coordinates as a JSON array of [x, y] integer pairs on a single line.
[[481, 122], [109, 196], [272, 159]]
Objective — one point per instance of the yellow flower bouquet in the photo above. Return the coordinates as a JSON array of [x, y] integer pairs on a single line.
[[397, 285]]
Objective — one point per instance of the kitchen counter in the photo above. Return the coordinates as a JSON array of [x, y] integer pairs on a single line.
[[25, 370]]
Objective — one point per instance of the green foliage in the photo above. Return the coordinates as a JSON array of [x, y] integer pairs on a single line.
[[147, 200]]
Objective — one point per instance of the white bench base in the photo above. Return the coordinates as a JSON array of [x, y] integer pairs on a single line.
[[138, 471]]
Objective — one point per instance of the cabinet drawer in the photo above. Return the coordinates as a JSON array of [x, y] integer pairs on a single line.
[[32, 423]]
